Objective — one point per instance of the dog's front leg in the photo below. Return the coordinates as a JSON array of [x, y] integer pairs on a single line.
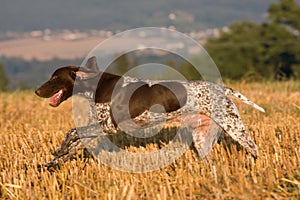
[[68, 148], [74, 141], [70, 142]]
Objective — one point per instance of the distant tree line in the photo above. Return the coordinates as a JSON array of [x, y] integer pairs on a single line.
[[3, 79], [24, 74], [270, 50]]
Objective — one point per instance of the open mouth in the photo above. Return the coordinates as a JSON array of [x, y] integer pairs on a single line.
[[56, 98]]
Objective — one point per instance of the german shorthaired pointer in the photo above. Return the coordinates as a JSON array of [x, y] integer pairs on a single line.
[[136, 100]]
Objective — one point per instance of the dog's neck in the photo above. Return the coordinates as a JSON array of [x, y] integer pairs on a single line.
[[89, 95]]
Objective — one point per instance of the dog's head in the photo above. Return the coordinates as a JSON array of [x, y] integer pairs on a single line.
[[60, 86]]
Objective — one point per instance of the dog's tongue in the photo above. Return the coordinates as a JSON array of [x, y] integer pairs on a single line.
[[54, 100]]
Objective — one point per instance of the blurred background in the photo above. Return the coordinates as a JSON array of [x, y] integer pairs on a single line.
[[248, 40]]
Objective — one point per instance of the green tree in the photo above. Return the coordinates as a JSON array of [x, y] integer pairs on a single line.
[[280, 50], [235, 52], [285, 12], [3, 79], [268, 50]]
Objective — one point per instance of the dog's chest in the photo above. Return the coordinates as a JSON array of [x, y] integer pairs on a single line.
[[102, 112]]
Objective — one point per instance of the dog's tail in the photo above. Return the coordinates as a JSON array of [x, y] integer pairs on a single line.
[[230, 91]]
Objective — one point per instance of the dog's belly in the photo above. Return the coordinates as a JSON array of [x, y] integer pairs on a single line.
[[189, 109]]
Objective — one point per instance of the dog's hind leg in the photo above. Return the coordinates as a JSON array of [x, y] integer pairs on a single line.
[[205, 136], [232, 124]]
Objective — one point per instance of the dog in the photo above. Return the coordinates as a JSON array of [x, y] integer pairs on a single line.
[[117, 101]]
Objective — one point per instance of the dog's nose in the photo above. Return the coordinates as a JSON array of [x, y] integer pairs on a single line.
[[37, 92]]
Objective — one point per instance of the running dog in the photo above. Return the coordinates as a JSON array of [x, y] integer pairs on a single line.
[[126, 102]]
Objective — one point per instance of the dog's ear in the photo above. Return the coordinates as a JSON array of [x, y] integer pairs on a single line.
[[89, 70], [91, 64]]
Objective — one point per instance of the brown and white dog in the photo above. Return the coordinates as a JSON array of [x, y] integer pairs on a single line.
[[117, 99]]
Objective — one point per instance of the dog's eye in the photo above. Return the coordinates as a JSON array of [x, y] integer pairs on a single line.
[[73, 74]]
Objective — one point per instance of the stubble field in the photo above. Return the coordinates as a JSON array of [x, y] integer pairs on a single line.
[[30, 130]]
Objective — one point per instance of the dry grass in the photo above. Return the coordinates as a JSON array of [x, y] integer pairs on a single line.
[[30, 130]]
